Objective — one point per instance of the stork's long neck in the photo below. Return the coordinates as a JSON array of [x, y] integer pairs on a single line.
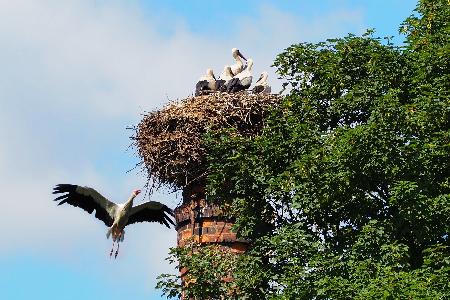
[[249, 65], [228, 73], [264, 79], [238, 60], [129, 202]]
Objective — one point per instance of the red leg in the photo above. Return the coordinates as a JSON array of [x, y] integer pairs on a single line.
[[117, 251], [110, 253]]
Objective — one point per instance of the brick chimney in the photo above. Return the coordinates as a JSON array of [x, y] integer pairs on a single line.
[[204, 222]]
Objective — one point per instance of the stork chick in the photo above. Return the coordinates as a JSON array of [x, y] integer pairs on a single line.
[[243, 80], [224, 79], [206, 83], [261, 86]]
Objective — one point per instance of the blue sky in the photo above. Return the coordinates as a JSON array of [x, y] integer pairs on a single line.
[[75, 74]]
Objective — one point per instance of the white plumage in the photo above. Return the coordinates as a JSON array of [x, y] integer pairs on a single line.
[[239, 65], [206, 83], [224, 79], [261, 86], [243, 80]]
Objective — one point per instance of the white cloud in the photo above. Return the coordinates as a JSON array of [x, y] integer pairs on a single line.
[[73, 75]]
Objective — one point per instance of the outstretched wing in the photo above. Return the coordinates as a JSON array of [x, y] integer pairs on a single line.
[[88, 199], [151, 212]]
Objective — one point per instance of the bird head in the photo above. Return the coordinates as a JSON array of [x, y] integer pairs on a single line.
[[136, 192], [264, 75], [210, 73], [235, 52]]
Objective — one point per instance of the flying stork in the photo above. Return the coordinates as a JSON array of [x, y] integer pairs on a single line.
[[261, 86], [239, 65], [115, 216], [243, 80], [206, 83]]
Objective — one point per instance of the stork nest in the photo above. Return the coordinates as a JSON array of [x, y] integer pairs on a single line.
[[170, 141]]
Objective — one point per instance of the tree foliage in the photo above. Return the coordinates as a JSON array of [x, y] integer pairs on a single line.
[[208, 276], [346, 193]]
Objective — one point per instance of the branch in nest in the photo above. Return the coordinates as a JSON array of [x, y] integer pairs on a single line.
[[169, 140]]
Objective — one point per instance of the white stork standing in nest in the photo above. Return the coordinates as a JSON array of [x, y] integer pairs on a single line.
[[206, 83], [115, 216], [243, 80], [239, 65], [224, 79], [261, 86]]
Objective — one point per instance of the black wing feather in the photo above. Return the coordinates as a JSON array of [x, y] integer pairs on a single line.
[[220, 84], [258, 89], [89, 200], [200, 87], [234, 85], [151, 212]]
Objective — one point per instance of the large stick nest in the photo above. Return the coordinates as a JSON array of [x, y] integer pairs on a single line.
[[169, 141]]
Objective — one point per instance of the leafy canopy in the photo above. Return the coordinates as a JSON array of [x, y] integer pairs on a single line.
[[346, 193]]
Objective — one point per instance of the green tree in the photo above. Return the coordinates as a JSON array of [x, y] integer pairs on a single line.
[[208, 276], [346, 192]]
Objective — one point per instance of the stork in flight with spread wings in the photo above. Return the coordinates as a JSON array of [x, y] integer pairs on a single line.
[[115, 216]]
